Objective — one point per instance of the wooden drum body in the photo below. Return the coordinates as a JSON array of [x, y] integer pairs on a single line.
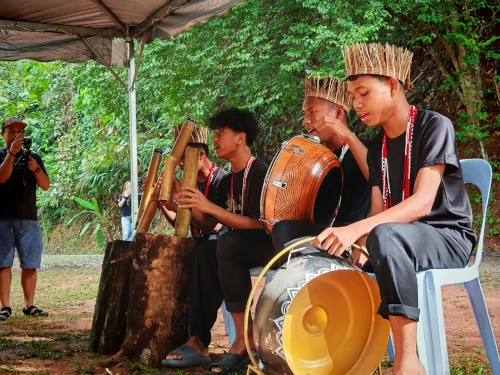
[[304, 183]]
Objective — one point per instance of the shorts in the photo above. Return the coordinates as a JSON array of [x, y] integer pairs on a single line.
[[26, 236]]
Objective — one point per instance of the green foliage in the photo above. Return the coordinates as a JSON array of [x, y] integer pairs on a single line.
[[99, 219], [254, 57]]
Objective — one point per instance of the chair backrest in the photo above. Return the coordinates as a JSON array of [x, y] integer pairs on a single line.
[[478, 172]]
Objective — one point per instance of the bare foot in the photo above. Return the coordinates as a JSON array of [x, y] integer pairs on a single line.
[[196, 344]]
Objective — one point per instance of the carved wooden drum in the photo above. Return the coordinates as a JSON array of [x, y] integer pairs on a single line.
[[304, 182]]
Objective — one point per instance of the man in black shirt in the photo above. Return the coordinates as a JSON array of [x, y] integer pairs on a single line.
[[420, 214], [20, 174], [325, 116], [221, 267]]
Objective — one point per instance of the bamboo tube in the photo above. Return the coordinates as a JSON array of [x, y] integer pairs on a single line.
[[188, 179], [154, 165], [168, 175], [183, 139], [149, 214]]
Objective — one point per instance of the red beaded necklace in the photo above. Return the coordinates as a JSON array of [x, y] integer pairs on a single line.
[[386, 186]]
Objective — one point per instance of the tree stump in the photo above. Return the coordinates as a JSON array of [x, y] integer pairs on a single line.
[[110, 321], [159, 288]]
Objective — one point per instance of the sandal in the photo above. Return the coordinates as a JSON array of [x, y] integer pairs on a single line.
[[190, 358], [231, 363], [5, 313], [33, 311]]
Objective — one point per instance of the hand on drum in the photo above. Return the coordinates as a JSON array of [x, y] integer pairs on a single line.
[[335, 240], [193, 198]]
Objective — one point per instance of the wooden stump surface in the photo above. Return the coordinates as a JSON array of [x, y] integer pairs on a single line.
[[159, 289]]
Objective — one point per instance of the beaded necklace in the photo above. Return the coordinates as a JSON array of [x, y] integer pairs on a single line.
[[386, 186], [245, 175]]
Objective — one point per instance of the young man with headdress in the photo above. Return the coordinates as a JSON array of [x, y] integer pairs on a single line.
[[325, 109], [420, 216], [221, 267], [209, 176]]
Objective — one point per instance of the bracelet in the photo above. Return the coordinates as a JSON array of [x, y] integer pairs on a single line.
[[11, 153]]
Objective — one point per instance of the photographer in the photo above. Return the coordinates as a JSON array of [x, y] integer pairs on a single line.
[[21, 171]]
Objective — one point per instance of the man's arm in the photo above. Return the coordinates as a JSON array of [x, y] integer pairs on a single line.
[[415, 207], [41, 177], [6, 168]]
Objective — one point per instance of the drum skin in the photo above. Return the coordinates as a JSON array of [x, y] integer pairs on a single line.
[[318, 316], [303, 183]]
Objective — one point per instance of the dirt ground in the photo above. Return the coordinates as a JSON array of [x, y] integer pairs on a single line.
[[464, 343]]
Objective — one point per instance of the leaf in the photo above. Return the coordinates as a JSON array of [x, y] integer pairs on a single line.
[[100, 238], [97, 228], [84, 229], [85, 203]]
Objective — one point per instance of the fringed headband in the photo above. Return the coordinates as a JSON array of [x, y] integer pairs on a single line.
[[389, 61], [330, 89]]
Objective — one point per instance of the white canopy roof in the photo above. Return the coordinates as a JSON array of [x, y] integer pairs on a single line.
[[46, 30]]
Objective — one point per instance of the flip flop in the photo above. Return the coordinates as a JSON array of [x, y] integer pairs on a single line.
[[231, 363], [190, 358]]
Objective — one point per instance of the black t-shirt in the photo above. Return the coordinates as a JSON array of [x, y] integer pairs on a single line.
[[18, 193], [433, 143], [219, 173], [255, 181], [356, 193], [127, 206]]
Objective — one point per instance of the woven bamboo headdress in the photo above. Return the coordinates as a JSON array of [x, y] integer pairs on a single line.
[[390, 61], [330, 89], [199, 134]]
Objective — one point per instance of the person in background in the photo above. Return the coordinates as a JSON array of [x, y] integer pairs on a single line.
[[125, 203], [21, 172]]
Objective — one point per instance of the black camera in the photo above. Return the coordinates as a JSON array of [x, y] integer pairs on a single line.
[[27, 143]]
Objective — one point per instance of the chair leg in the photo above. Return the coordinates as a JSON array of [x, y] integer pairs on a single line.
[[390, 349], [435, 327], [228, 324], [478, 303]]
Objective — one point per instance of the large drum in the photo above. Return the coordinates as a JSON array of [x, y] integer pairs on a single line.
[[304, 183], [318, 316]]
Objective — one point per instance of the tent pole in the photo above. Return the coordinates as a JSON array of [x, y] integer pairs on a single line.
[[133, 131]]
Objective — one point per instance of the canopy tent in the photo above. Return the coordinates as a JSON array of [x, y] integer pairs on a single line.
[[82, 30]]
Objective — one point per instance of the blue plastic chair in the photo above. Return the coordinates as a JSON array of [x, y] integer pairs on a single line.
[[431, 336]]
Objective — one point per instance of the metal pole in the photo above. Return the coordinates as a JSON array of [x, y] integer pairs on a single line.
[[133, 131]]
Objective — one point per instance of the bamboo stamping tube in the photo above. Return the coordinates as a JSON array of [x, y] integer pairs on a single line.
[[154, 165], [188, 179], [183, 139], [149, 214], [168, 175]]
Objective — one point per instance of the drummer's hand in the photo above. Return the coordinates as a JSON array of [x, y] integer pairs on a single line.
[[358, 258], [193, 198], [157, 188], [335, 240], [176, 188], [340, 130]]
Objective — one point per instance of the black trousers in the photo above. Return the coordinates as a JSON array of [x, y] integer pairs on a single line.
[[399, 250], [221, 272]]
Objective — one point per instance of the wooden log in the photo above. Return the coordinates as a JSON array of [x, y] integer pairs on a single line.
[[159, 289], [188, 179], [109, 323]]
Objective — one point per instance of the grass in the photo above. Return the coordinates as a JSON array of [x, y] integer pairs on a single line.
[[470, 363]]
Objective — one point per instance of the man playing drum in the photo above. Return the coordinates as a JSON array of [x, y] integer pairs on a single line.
[[325, 110], [420, 213], [221, 267]]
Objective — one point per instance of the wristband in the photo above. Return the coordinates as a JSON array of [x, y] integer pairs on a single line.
[[11, 153]]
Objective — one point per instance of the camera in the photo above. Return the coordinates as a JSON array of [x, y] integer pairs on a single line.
[[27, 143]]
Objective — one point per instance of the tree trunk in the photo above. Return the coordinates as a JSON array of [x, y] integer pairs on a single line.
[[109, 323], [159, 288]]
